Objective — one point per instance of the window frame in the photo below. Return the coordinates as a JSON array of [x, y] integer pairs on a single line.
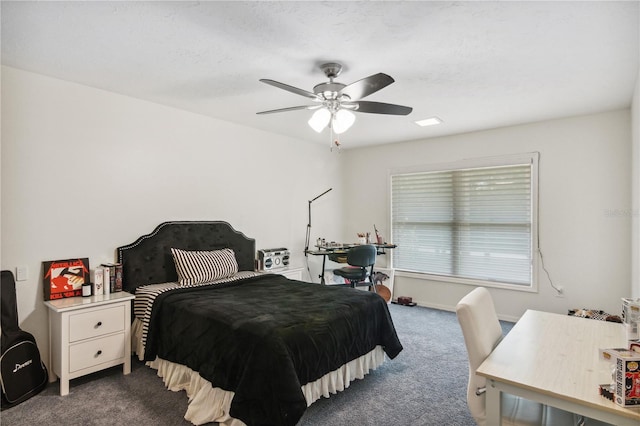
[[531, 158]]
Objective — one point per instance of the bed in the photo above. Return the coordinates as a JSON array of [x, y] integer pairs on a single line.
[[248, 347]]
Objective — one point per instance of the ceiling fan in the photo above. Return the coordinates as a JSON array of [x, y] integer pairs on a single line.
[[335, 102]]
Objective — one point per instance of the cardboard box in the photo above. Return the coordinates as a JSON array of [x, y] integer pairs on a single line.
[[627, 375]]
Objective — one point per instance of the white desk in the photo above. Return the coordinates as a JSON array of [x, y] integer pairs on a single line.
[[555, 359]]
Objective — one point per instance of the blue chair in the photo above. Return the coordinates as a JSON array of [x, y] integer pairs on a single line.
[[360, 260]]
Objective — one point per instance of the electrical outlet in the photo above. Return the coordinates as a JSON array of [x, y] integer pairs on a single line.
[[22, 273], [560, 291]]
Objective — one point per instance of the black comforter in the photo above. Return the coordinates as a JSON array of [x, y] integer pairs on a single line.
[[265, 337]]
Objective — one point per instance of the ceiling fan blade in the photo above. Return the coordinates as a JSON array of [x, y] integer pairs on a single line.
[[367, 86], [295, 108], [290, 88], [382, 108]]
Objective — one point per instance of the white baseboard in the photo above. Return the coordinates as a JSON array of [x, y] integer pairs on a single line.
[[449, 308]]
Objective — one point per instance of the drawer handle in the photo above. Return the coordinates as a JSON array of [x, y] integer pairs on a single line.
[[98, 353], [98, 324]]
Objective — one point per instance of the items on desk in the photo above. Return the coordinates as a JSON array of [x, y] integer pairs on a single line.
[[625, 389], [365, 238], [338, 257], [594, 314], [631, 317], [321, 243], [379, 238], [607, 391]]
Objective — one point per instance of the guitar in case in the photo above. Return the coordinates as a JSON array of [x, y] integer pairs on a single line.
[[22, 372]]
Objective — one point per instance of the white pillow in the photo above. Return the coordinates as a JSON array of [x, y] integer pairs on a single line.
[[197, 267]]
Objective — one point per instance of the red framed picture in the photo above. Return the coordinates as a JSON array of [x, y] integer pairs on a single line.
[[64, 278]]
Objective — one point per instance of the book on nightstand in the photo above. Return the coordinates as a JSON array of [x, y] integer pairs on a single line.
[[118, 282], [98, 281], [106, 287], [115, 276]]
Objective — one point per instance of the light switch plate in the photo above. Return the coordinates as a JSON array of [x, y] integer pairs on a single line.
[[22, 273]]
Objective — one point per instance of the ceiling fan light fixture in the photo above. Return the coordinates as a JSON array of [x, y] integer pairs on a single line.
[[335, 101], [320, 119], [342, 120]]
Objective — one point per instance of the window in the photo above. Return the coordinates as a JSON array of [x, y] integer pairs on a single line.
[[473, 221]]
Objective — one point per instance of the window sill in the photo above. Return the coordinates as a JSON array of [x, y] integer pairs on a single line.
[[466, 281]]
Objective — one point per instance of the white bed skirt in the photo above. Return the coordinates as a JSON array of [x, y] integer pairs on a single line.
[[209, 404]]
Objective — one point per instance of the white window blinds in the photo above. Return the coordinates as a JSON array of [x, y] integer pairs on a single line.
[[473, 223]]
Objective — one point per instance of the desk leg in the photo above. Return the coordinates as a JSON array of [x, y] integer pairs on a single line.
[[322, 281], [493, 404]]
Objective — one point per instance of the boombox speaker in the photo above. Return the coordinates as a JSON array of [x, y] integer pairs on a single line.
[[270, 259]]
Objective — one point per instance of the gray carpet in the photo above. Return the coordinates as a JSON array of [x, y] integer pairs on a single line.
[[424, 385]]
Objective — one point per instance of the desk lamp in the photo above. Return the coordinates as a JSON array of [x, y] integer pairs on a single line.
[[306, 243]]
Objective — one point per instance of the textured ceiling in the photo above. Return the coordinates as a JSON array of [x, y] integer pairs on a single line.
[[476, 65]]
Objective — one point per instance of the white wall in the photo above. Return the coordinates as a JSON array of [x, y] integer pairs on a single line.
[[585, 186], [635, 192], [85, 171]]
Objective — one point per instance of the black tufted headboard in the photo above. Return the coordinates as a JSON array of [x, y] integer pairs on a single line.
[[148, 259]]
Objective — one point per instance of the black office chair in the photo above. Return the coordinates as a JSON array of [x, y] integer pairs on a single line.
[[359, 259]]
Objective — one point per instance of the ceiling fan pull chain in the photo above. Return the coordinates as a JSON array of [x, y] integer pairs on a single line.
[[333, 141], [330, 138]]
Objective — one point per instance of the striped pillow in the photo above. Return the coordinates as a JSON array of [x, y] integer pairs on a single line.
[[197, 267]]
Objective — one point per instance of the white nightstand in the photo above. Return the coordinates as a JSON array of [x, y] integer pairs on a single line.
[[291, 273], [88, 334]]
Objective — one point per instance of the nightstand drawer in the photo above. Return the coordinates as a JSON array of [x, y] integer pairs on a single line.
[[96, 323], [97, 351]]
